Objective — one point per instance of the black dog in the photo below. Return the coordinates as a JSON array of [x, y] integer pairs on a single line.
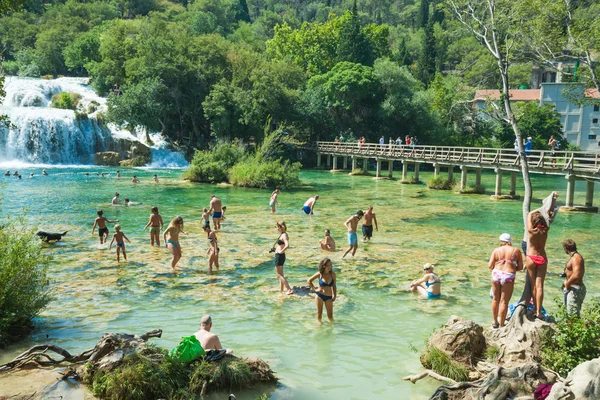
[[54, 237]]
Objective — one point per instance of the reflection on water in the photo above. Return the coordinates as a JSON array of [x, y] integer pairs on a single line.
[[368, 349]]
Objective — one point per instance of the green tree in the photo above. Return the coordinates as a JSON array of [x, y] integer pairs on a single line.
[[353, 43], [426, 64], [539, 122], [243, 13], [424, 13]]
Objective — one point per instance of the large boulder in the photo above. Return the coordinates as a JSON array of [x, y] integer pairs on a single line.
[[110, 158], [582, 383], [461, 339]]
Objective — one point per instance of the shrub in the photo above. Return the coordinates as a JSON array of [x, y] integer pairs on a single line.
[[359, 171], [260, 173], [23, 282], [64, 100], [411, 180], [212, 166], [575, 340], [440, 183], [477, 189], [438, 361]]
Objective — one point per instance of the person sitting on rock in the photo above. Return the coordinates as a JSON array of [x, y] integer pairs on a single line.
[[207, 339], [429, 285]]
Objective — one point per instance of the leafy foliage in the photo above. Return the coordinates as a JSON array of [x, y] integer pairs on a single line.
[[440, 183], [65, 100], [24, 286], [257, 172], [574, 340], [213, 166]]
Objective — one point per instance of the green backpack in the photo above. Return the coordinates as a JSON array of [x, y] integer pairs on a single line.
[[187, 350]]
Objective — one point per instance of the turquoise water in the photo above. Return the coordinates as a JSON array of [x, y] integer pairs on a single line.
[[365, 353]]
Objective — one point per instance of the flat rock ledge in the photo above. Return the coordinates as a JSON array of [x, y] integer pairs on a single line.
[[503, 363]]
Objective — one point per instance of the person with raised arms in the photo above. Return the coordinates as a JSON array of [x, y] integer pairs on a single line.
[[273, 200]]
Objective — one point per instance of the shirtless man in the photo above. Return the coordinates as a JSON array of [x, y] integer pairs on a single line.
[[327, 243], [309, 205], [367, 228], [101, 223], [115, 199], [216, 208], [573, 287], [351, 224], [135, 179], [208, 340]]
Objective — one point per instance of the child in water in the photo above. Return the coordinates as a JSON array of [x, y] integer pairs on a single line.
[[120, 238], [223, 213], [102, 229], [156, 225], [205, 218]]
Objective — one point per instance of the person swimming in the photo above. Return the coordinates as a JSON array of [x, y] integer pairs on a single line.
[[429, 285]]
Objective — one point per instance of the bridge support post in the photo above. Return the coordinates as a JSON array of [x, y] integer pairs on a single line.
[[570, 190], [463, 177], [391, 169], [345, 163], [417, 165], [365, 166], [498, 191], [334, 168], [353, 163], [404, 171], [478, 177], [589, 194], [436, 170], [450, 172], [513, 184], [318, 160], [378, 173], [328, 160]]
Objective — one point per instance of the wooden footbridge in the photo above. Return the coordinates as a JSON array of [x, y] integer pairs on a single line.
[[573, 165]]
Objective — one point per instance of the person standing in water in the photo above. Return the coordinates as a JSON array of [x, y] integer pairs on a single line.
[[282, 244], [213, 250], [118, 174], [173, 230], [367, 227], [309, 205], [101, 221], [205, 218], [429, 285], [135, 179], [115, 199], [155, 179], [326, 293], [504, 262], [120, 238], [273, 200], [351, 224], [216, 208], [573, 287], [156, 225], [327, 243]]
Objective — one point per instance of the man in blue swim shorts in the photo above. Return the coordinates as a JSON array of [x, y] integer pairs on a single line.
[[351, 224], [216, 208], [309, 205]]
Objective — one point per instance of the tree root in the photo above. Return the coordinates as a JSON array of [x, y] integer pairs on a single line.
[[430, 373], [38, 357]]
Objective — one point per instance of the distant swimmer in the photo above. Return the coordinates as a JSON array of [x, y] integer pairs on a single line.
[[282, 244], [273, 200], [155, 179], [16, 173], [173, 230], [101, 221], [309, 205], [213, 250], [156, 225], [326, 293], [127, 202], [216, 208], [327, 243], [7, 173], [44, 173], [429, 285], [367, 228], [120, 238], [118, 174], [351, 224], [135, 179], [31, 175], [115, 199]]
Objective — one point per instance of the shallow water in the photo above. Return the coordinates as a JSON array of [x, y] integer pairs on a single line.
[[365, 353]]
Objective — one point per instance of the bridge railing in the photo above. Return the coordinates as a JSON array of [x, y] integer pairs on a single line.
[[576, 161]]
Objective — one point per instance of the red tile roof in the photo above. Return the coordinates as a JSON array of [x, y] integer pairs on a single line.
[[515, 95]]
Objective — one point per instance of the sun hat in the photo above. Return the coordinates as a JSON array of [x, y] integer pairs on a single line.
[[505, 237], [427, 266]]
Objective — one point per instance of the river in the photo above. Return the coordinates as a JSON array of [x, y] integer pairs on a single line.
[[379, 327]]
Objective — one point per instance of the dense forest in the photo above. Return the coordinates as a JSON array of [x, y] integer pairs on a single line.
[[205, 69]]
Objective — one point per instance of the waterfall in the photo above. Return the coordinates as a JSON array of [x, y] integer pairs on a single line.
[[39, 133]]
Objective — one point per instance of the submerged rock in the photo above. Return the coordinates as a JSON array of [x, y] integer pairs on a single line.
[[109, 158]]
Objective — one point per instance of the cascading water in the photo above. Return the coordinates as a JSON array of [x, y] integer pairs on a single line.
[[39, 133]]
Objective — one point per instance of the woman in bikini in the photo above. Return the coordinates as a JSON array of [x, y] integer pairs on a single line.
[[213, 250], [505, 261], [327, 290], [536, 261], [281, 246], [173, 230], [429, 285]]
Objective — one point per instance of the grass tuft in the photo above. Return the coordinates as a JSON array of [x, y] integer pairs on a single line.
[[438, 361], [440, 183]]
